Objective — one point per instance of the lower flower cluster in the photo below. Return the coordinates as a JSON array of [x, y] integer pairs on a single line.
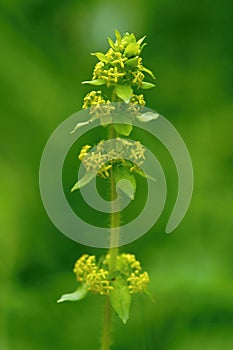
[[88, 273], [99, 280]]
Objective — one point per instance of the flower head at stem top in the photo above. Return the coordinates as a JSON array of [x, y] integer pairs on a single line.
[[121, 70]]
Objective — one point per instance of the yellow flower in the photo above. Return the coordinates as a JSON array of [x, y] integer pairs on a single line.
[[93, 98], [138, 282], [88, 273]]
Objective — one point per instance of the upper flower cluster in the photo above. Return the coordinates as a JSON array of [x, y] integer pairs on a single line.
[[120, 69], [122, 63]]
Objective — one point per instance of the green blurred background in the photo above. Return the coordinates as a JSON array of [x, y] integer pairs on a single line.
[[44, 55]]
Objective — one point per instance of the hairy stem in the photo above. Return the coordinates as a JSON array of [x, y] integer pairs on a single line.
[[113, 252], [106, 336]]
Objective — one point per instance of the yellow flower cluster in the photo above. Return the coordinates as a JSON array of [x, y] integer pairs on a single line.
[[110, 75], [98, 106], [136, 104], [130, 268], [93, 98], [102, 159], [84, 152], [132, 261], [138, 281], [121, 66], [95, 278]]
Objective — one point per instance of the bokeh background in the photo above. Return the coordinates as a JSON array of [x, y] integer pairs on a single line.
[[44, 55]]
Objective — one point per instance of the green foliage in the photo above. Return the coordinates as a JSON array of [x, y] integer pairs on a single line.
[[121, 68], [125, 92], [78, 294], [123, 129], [95, 82], [146, 85], [121, 299], [125, 181], [83, 181], [147, 117]]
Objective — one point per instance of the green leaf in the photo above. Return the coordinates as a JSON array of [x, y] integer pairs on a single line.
[[79, 294], [146, 70], [84, 180], [95, 82], [147, 117], [125, 92], [142, 47], [125, 181], [140, 172], [123, 129], [111, 43], [132, 62], [139, 42], [131, 50], [79, 125], [118, 36], [121, 299], [124, 125], [151, 178], [146, 85], [101, 56], [129, 38]]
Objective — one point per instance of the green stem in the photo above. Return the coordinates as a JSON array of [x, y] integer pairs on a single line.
[[113, 252], [106, 336]]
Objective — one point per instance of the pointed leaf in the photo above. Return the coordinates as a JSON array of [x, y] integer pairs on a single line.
[[101, 56], [132, 62], [146, 85], [140, 172], [151, 178], [79, 125], [141, 40], [111, 43], [129, 38], [147, 117], [146, 70], [124, 92], [95, 82], [118, 36], [121, 299], [84, 180], [142, 47], [79, 294], [131, 50], [123, 129], [125, 181]]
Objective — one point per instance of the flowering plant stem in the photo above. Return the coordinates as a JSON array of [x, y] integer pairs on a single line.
[[117, 276], [113, 252], [106, 335]]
